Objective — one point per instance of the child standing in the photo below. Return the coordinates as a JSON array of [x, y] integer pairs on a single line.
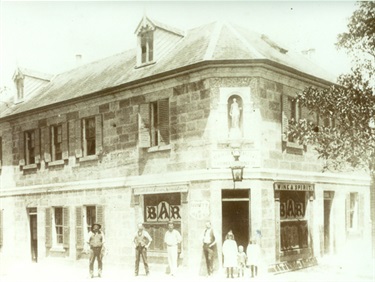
[[230, 253], [241, 261], [253, 257]]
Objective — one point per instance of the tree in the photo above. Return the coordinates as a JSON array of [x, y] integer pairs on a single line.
[[345, 139]]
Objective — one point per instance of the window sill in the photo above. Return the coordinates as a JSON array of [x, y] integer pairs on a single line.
[[294, 145], [58, 249], [29, 166], [159, 148], [89, 158], [56, 163]]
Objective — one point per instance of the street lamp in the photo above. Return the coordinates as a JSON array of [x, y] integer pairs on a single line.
[[237, 168]]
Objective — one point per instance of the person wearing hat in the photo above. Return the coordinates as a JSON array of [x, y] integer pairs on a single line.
[[142, 241], [172, 238], [96, 243], [230, 253]]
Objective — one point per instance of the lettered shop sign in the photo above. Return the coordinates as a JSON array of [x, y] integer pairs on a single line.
[[199, 209]]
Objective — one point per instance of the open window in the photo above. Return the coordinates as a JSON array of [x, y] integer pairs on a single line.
[[154, 124]]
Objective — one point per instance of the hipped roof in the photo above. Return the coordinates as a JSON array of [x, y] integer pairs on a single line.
[[221, 42]]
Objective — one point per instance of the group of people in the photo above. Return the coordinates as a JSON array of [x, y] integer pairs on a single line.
[[142, 240], [234, 258]]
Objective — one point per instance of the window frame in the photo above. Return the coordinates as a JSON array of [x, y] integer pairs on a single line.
[[56, 235], [54, 147], [147, 46], [30, 137], [89, 136], [157, 228], [299, 222]]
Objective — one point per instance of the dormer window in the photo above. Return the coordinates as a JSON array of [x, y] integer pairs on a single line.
[[147, 46], [19, 85], [154, 40]]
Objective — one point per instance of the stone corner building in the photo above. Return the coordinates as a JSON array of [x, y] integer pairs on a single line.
[[147, 135]]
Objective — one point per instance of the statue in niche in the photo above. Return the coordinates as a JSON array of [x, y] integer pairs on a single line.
[[235, 112]]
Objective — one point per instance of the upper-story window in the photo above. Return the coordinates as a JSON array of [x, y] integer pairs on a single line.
[[154, 124], [89, 136], [30, 147], [147, 46], [56, 142]]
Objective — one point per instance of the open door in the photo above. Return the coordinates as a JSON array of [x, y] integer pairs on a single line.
[[33, 219], [236, 215]]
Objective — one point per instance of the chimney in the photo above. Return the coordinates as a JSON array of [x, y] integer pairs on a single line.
[[309, 53], [78, 60]]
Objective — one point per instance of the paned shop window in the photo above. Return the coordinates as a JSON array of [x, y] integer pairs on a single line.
[[154, 124], [59, 226], [30, 147], [293, 222], [56, 142], [89, 137], [158, 210]]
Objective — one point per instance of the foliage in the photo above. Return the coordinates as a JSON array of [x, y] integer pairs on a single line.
[[347, 140]]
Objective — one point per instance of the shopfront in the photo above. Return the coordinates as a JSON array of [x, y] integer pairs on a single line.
[[294, 221]]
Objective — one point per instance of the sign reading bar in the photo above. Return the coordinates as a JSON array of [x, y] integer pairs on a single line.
[[280, 186]]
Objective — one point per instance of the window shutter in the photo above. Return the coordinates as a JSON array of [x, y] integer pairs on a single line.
[[163, 125], [1, 151], [1, 228], [100, 216], [79, 228], [98, 134], [37, 146], [21, 148], [48, 228], [285, 119], [64, 132], [347, 212], [66, 229], [78, 135], [144, 138]]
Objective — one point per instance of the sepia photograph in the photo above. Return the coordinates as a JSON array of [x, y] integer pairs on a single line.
[[187, 141]]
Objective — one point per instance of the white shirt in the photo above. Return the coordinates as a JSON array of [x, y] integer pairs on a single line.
[[172, 238]]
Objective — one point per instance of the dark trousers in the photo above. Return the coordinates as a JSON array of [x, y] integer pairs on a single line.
[[141, 252], [96, 252], [209, 255]]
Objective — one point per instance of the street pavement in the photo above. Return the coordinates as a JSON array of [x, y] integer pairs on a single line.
[[56, 270]]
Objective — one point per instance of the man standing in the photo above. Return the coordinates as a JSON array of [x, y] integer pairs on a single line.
[[96, 243], [142, 241], [209, 242], [172, 238]]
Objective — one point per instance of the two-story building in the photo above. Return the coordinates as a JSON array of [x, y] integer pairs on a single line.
[[149, 135]]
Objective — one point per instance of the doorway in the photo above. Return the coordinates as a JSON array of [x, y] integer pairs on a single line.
[[33, 219], [328, 197], [236, 215]]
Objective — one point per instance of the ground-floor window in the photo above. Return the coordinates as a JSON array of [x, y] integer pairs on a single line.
[[293, 222], [57, 227], [158, 210], [58, 216]]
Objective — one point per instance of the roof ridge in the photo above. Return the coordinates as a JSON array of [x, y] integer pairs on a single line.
[[243, 40], [214, 38]]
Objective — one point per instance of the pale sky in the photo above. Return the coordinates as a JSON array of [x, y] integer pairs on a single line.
[[46, 36]]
